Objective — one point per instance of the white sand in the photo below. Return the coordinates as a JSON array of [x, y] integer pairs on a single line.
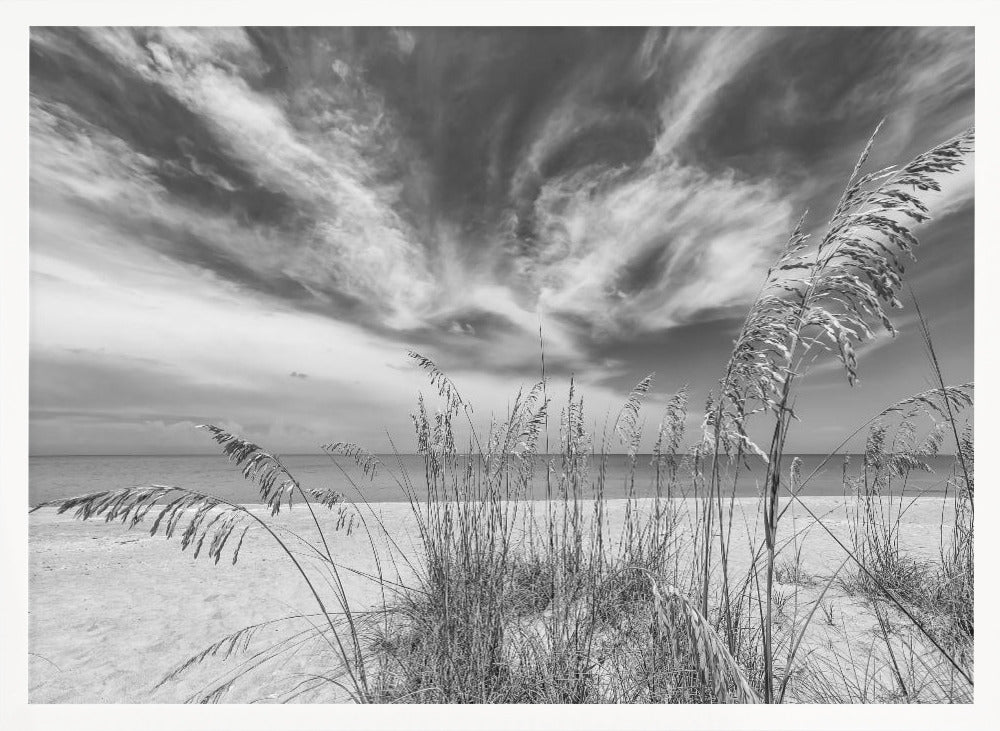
[[112, 611]]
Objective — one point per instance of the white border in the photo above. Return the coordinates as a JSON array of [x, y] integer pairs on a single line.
[[17, 16]]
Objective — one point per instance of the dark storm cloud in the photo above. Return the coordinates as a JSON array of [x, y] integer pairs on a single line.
[[447, 188]]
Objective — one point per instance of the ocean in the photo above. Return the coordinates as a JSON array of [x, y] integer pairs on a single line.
[[53, 478]]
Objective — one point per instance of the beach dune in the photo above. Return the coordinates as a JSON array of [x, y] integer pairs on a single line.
[[112, 611]]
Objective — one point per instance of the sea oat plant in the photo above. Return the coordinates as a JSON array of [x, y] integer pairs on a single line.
[[514, 599]]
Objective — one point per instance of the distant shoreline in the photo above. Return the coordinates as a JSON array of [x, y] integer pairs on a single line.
[[60, 477], [639, 455]]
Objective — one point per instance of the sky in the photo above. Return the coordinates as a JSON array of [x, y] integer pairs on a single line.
[[251, 227]]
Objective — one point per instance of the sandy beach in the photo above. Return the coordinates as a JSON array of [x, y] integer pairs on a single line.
[[112, 611]]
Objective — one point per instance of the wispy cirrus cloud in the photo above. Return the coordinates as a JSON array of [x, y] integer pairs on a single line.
[[656, 247], [341, 234], [451, 190], [643, 239], [710, 60]]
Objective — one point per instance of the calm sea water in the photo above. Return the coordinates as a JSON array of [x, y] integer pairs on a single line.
[[60, 477]]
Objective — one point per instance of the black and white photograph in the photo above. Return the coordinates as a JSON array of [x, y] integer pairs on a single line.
[[516, 364]]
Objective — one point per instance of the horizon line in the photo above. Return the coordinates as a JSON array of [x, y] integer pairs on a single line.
[[415, 454]]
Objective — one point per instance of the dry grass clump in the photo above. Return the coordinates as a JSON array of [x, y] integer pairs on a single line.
[[938, 592], [556, 614], [516, 600], [790, 571]]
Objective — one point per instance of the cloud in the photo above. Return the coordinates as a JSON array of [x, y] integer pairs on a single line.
[[711, 59], [609, 219], [655, 247], [237, 203], [348, 241], [630, 235]]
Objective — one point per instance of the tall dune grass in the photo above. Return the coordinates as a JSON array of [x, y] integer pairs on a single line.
[[516, 600]]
